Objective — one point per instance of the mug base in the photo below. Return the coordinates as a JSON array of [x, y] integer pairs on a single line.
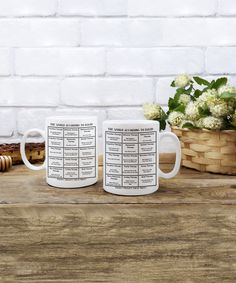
[[131, 192], [62, 184]]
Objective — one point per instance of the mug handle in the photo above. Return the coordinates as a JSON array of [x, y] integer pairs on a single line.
[[176, 168], [22, 150]]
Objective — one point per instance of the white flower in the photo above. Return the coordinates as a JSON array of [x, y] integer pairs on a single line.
[[184, 99], [206, 97], [152, 111], [199, 123], [226, 88], [175, 118], [191, 111], [212, 123], [220, 108], [186, 121], [182, 80]]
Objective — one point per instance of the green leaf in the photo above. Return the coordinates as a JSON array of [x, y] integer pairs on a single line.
[[235, 104], [180, 91], [220, 82], [172, 104], [201, 81], [180, 108], [197, 93], [188, 125], [226, 95], [189, 90], [177, 95], [204, 112], [163, 115], [172, 84], [233, 124], [211, 85], [162, 124]]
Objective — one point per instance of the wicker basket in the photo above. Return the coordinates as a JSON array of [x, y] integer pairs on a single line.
[[208, 151], [35, 152]]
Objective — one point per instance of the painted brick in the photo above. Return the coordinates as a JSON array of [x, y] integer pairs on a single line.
[[32, 118], [93, 7], [5, 62], [7, 125], [56, 62], [27, 7], [227, 7], [103, 92], [125, 113], [164, 90], [158, 32], [162, 61], [170, 8], [29, 92], [221, 60], [39, 32]]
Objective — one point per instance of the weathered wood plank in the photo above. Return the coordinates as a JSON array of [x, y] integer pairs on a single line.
[[21, 185], [118, 243], [183, 233]]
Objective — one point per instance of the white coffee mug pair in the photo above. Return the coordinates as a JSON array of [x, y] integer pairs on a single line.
[[130, 154]]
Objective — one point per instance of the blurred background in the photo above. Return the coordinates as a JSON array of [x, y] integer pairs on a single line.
[[105, 57]]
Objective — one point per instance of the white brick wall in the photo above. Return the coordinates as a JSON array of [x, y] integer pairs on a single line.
[[5, 62], [158, 32], [59, 62], [29, 92], [151, 62], [105, 57], [39, 32], [93, 7], [227, 7], [106, 91], [221, 60], [26, 8], [172, 8]]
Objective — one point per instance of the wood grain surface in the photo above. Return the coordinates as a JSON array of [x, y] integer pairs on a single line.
[[22, 185], [185, 232]]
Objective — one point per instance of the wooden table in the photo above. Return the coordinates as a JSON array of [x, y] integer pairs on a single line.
[[186, 232]]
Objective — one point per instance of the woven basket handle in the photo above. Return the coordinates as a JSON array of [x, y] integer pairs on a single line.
[[176, 168], [22, 150]]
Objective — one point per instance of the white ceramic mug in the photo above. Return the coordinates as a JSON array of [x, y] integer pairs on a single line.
[[131, 156], [71, 151]]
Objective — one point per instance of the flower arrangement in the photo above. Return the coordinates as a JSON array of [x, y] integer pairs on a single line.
[[210, 106]]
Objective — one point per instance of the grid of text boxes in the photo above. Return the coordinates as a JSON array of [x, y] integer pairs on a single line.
[[72, 152], [131, 159]]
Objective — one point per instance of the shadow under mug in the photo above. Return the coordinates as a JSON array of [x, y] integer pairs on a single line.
[[70, 150], [131, 156]]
